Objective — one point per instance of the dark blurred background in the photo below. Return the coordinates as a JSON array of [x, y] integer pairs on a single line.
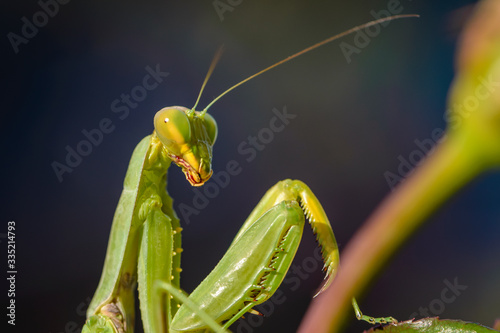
[[357, 117]]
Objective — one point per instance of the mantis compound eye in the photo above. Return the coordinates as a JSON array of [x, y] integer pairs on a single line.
[[173, 128], [211, 127]]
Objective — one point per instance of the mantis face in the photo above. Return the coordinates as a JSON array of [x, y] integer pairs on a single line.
[[188, 137]]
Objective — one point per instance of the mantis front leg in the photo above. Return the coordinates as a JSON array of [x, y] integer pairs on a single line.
[[259, 257], [144, 209]]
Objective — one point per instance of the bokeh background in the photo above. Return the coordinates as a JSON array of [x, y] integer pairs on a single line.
[[353, 121]]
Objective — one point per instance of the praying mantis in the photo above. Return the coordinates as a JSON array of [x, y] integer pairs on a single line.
[[144, 247]]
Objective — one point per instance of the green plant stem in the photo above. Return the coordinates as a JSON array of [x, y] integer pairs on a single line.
[[451, 165]]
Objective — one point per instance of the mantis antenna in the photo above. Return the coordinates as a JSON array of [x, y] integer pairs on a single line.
[[310, 48], [214, 62]]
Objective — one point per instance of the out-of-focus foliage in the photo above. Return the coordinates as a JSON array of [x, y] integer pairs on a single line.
[[433, 325]]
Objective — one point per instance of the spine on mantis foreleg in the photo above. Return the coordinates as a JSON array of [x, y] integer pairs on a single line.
[[113, 302]]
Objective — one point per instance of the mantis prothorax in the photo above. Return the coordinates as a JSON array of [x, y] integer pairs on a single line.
[[145, 242]]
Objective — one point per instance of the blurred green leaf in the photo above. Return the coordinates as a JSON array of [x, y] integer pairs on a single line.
[[433, 325]]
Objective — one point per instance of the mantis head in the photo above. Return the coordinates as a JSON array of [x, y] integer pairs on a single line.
[[188, 137]]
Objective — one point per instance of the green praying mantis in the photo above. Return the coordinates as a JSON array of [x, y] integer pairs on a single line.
[[144, 247]]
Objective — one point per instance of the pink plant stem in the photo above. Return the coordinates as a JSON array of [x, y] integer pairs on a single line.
[[443, 172]]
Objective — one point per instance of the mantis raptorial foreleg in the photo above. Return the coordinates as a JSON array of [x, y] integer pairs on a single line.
[[143, 195], [154, 265], [259, 257], [145, 244], [158, 258]]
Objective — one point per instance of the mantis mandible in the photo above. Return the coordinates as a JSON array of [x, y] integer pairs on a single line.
[[145, 242]]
